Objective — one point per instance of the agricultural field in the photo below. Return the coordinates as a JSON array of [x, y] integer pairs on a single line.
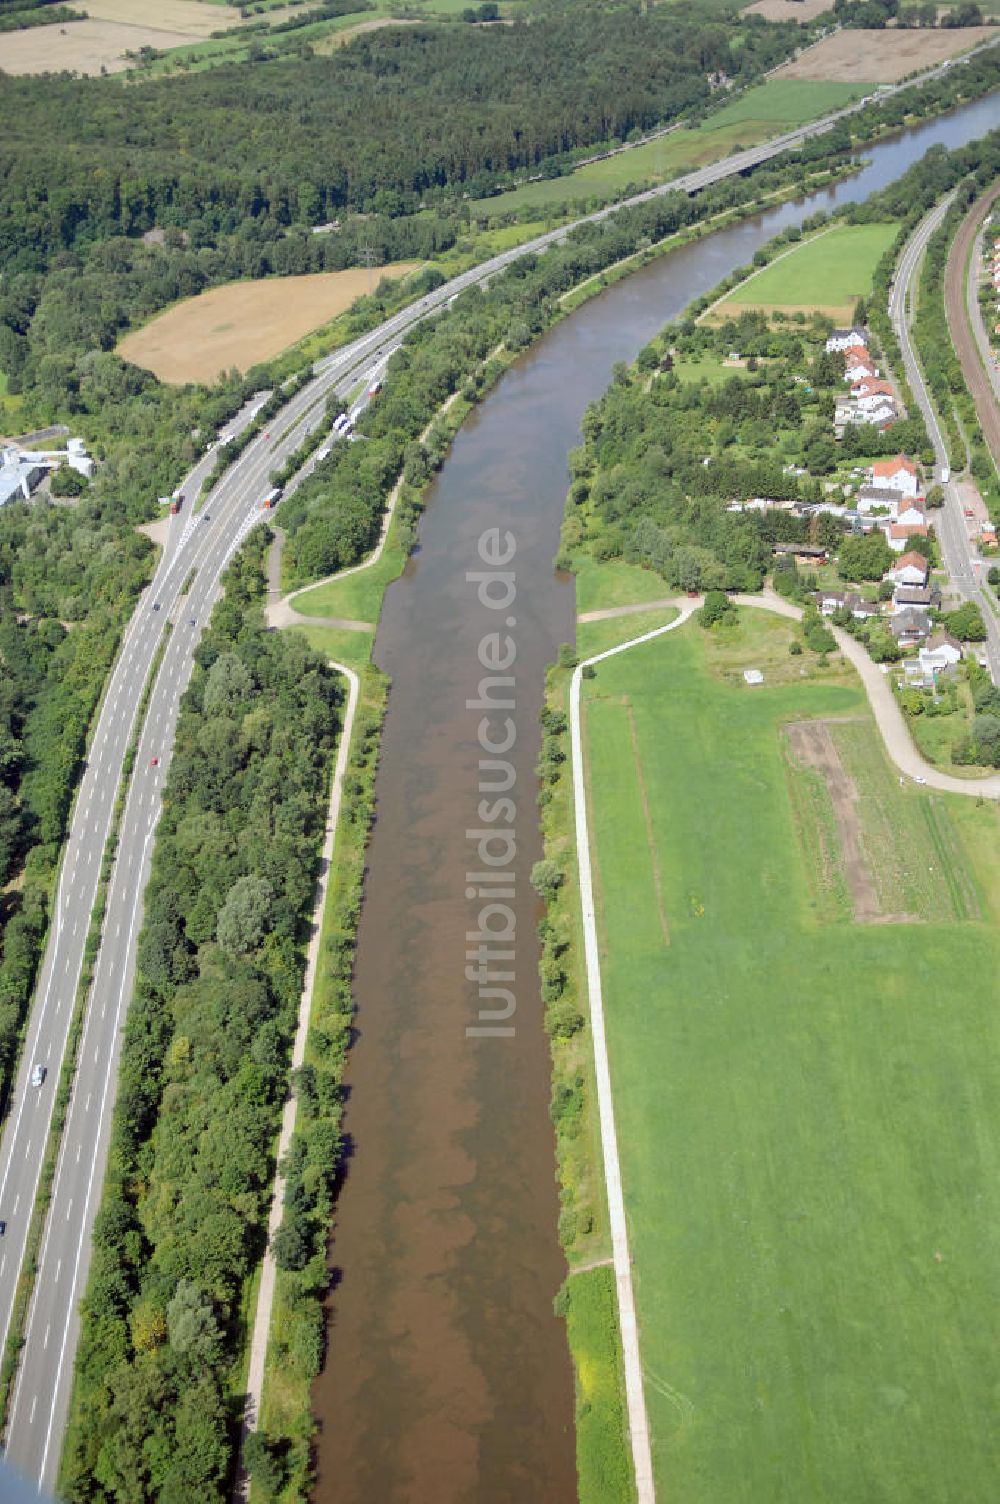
[[191, 16], [807, 1102], [84, 46], [762, 112], [875, 57], [827, 274], [242, 323], [789, 10]]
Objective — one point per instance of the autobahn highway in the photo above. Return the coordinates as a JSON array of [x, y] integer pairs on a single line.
[[958, 552], [203, 543]]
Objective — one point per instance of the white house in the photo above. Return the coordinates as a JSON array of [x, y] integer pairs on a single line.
[[843, 339], [885, 501], [912, 569], [900, 473], [938, 656], [899, 534], [857, 366], [911, 514]]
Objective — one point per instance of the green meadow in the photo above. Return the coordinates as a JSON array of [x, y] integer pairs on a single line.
[[764, 111], [808, 1108], [833, 267]]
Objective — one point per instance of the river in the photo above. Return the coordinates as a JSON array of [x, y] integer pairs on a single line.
[[447, 1377]]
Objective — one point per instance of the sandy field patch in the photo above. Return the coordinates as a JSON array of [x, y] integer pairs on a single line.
[[841, 313], [788, 10], [335, 39], [244, 322], [83, 46], [193, 17], [856, 57]]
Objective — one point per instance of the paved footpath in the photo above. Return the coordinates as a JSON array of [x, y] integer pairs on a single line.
[[889, 718], [265, 1294]]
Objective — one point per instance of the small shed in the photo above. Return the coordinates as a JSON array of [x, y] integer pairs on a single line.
[[753, 676]]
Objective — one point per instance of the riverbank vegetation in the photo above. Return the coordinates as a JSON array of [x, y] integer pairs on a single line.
[[204, 1065], [281, 1457]]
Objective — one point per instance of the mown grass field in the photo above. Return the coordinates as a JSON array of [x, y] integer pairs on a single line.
[[833, 268], [808, 1112], [764, 111]]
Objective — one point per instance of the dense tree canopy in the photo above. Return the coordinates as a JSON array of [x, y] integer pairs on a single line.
[[397, 115]]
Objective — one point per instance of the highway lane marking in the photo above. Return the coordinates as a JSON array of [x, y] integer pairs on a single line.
[[58, 1271], [17, 1203], [83, 1239], [69, 1208], [45, 1339], [34, 1402]]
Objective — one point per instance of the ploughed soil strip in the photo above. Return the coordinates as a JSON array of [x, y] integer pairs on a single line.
[[812, 747]]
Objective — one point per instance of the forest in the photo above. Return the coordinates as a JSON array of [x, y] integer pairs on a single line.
[[205, 1060], [397, 119]]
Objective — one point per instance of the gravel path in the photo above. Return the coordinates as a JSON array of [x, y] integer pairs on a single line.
[[265, 1294]]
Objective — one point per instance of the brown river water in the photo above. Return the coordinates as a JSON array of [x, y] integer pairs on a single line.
[[447, 1377]]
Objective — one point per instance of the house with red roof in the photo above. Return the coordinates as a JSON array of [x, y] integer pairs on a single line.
[[898, 474], [912, 569]]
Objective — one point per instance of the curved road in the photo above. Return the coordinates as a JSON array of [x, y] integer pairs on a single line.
[[203, 544]]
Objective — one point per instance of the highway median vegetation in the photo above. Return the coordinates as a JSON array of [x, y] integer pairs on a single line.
[[204, 1066]]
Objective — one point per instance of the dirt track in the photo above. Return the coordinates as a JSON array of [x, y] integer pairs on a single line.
[[976, 379]]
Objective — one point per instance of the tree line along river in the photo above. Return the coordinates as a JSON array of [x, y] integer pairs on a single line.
[[447, 1377]]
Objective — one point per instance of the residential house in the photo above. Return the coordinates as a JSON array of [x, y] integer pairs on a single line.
[[916, 595], [880, 499], [912, 513], [861, 609], [899, 535], [844, 339], [900, 473], [856, 367], [870, 386], [807, 551], [935, 660], [830, 601], [910, 626], [912, 569]]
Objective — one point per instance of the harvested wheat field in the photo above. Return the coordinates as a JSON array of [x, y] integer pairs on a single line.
[[83, 46], [881, 57], [193, 17], [789, 10], [244, 322]]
